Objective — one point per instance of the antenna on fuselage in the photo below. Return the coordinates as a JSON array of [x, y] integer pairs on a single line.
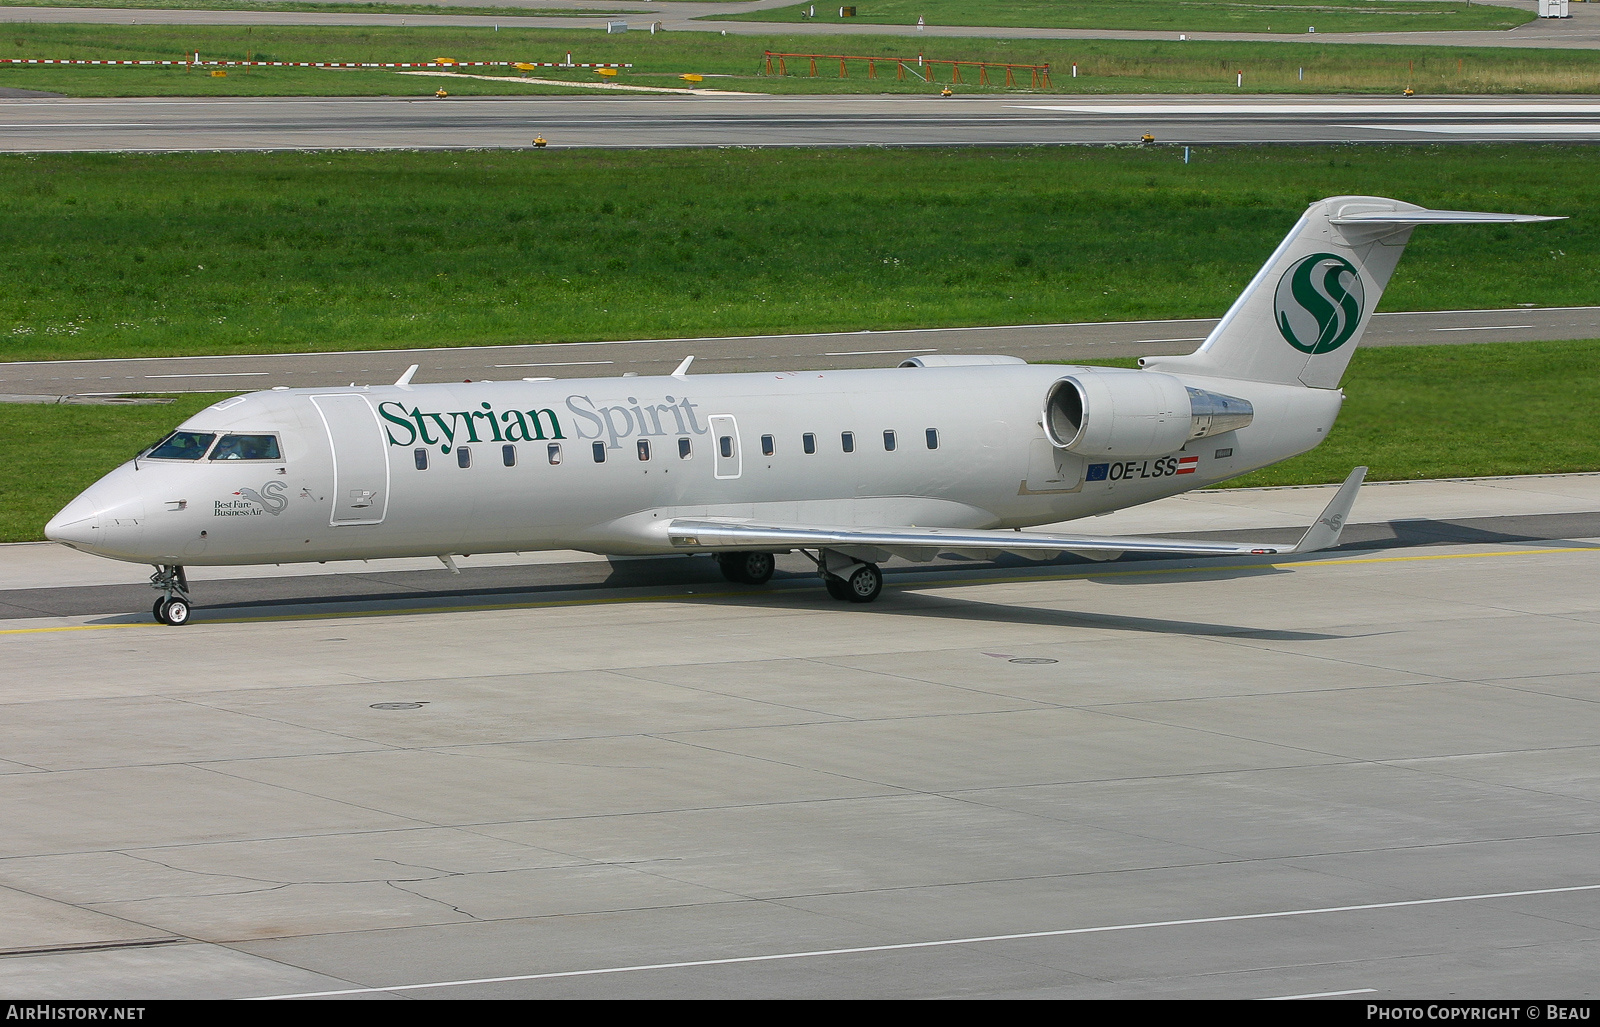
[[405, 379], [683, 368]]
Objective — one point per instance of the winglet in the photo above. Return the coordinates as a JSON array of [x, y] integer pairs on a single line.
[[405, 379], [1324, 533], [683, 368]]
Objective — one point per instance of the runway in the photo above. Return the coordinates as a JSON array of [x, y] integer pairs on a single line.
[[1368, 774], [1035, 343], [626, 121]]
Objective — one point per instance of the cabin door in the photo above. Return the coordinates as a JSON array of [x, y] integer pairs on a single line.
[[360, 459], [725, 445]]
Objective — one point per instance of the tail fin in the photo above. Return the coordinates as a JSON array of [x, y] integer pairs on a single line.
[[1304, 313]]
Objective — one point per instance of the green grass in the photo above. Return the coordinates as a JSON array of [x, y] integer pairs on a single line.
[[1413, 412], [1105, 66], [1182, 16], [53, 452], [1459, 411], [107, 255]]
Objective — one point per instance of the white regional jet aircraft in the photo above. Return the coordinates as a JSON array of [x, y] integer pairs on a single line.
[[941, 454]]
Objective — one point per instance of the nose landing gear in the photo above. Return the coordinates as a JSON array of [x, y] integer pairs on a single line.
[[173, 607]]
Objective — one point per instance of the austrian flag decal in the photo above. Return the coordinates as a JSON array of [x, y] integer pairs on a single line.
[[1187, 464]]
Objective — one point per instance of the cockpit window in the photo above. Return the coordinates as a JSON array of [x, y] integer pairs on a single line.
[[183, 445], [247, 447]]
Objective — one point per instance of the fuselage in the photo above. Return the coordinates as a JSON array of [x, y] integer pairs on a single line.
[[602, 465]]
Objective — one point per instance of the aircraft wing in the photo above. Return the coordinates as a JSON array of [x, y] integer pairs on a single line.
[[730, 534]]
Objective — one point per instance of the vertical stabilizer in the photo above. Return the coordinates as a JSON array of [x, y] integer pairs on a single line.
[[1304, 313]]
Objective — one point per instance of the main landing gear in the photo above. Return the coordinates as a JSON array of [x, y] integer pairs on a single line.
[[861, 586], [746, 568], [847, 580], [173, 607]]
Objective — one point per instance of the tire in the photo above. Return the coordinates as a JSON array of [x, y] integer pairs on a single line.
[[755, 568], [177, 612], [837, 587], [746, 568], [865, 584], [159, 610]]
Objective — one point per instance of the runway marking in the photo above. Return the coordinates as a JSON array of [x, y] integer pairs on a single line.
[[564, 363], [876, 352], [947, 942], [1490, 128], [709, 594], [210, 374], [1321, 994], [1480, 328], [1398, 107]]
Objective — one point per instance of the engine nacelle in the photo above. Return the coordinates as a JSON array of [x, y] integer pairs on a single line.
[[1135, 413]]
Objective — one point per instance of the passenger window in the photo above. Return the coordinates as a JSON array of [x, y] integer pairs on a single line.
[[848, 441], [247, 447], [725, 444], [685, 449], [933, 438], [555, 453], [183, 445], [508, 455], [463, 456], [421, 457], [808, 442], [599, 452], [644, 449], [767, 445], [888, 442]]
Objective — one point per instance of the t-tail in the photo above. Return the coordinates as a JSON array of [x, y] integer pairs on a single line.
[[1305, 311]]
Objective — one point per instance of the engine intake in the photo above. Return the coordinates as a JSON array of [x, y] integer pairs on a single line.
[[1135, 413]]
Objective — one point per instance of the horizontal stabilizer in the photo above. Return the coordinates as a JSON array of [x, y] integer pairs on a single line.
[[712, 535], [1437, 217]]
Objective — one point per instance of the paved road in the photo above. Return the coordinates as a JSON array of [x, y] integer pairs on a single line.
[[421, 122], [1581, 31], [742, 353]]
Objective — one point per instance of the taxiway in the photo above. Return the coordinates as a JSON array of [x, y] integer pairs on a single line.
[[52, 380]]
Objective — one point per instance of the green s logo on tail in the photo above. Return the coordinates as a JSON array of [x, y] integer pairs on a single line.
[[1319, 303]]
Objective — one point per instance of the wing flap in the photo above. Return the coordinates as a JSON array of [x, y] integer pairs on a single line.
[[687, 533], [718, 534]]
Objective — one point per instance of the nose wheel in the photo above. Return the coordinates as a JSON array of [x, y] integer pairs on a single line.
[[173, 607], [174, 611]]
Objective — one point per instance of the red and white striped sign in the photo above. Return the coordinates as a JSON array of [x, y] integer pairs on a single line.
[[1187, 464]]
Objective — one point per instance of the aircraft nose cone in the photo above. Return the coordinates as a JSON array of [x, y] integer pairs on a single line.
[[107, 519], [77, 524]]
